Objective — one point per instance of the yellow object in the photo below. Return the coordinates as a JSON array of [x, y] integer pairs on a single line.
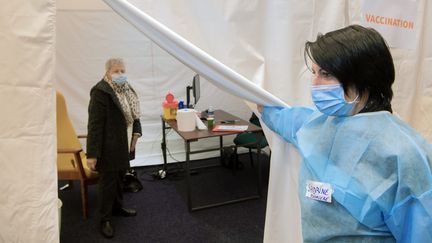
[[169, 113], [170, 106], [71, 160]]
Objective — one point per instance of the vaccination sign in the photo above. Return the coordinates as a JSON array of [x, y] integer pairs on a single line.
[[396, 20]]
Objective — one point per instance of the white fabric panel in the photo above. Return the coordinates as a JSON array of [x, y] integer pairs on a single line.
[[28, 205], [194, 57], [238, 85], [413, 86], [289, 25], [82, 5]]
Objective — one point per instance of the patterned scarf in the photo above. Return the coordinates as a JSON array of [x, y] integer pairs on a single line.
[[128, 100]]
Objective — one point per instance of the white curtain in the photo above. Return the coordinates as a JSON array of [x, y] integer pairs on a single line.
[[28, 204]]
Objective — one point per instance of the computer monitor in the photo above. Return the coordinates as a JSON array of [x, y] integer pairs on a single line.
[[195, 91], [196, 87]]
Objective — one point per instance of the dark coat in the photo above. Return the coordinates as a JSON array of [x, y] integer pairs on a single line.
[[107, 130]]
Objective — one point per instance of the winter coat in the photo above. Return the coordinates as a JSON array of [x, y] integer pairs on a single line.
[[107, 138]]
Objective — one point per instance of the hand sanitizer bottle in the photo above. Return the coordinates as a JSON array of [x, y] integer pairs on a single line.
[[210, 112]]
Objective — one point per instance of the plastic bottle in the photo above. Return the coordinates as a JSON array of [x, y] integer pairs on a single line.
[[210, 112], [210, 117], [181, 105]]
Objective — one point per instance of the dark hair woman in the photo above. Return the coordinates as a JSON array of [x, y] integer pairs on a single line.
[[365, 174], [360, 60]]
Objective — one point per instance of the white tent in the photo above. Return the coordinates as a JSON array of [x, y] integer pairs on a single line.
[[50, 45]]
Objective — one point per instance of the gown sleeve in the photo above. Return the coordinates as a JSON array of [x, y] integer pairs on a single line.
[[286, 121], [410, 218]]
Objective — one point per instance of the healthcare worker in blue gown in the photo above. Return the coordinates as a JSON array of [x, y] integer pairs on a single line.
[[365, 175]]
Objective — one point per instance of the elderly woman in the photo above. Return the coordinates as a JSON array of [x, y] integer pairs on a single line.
[[113, 128], [365, 174]]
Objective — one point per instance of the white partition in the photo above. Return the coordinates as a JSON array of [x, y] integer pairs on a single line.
[[28, 204]]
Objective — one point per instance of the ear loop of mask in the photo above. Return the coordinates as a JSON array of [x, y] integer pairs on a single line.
[[356, 100]]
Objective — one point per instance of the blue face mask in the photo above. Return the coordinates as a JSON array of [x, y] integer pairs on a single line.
[[330, 100], [119, 78]]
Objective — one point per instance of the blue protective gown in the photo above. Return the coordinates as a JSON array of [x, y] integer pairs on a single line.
[[379, 169]]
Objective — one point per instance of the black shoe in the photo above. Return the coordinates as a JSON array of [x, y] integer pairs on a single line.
[[125, 212], [107, 229]]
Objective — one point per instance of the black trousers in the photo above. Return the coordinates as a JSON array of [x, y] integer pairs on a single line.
[[110, 193]]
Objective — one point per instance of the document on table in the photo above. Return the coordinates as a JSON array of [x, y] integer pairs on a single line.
[[230, 128]]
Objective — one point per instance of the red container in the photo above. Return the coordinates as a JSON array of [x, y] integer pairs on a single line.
[[170, 106]]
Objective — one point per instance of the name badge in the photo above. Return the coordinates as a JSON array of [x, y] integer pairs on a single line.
[[319, 191]]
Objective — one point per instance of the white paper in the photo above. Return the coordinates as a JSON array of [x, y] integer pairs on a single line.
[[232, 127], [319, 191]]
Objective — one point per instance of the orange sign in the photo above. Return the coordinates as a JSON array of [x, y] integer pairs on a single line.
[[370, 18], [394, 19]]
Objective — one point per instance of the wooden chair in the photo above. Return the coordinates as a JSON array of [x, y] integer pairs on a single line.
[[71, 160]]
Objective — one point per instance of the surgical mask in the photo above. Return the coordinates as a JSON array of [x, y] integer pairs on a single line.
[[119, 78], [330, 100]]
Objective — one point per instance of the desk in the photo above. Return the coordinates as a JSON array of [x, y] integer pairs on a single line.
[[194, 136]]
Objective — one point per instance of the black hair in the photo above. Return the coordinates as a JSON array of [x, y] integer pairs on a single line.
[[360, 58]]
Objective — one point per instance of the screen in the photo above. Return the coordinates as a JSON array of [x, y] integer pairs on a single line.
[[196, 88]]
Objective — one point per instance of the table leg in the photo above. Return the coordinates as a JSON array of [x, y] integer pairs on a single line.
[[163, 145], [221, 148], [188, 179], [259, 137]]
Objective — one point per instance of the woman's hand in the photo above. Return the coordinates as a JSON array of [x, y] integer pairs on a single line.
[[135, 137], [91, 163], [260, 108]]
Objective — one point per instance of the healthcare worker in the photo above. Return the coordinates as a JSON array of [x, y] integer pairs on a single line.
[[365, 174]]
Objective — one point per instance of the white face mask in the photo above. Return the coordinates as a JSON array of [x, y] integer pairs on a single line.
[[119, 78]]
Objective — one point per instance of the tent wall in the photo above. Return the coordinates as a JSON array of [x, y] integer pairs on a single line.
[[89, 33], [28, 205], [262, 40]]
